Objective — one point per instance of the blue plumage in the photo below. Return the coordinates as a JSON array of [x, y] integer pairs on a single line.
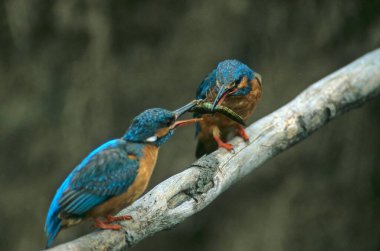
[[231, 70], [145, 124], [110, 170], [204, 88], [227, 72], [233, 83], [206, 85], [105, 173]]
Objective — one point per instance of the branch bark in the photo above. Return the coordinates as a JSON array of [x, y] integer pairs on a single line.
[[188, 192]]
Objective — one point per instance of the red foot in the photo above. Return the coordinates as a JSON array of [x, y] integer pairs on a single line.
[[224, 145], [243, 133], [102, 225], [118, 218]]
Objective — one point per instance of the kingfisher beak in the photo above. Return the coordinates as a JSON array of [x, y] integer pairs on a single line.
[[223, 92], [180, 111], [185, 122]]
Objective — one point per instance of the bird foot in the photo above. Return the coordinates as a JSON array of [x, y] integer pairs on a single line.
[[226, 146], [242, 133], [118, 218], [103, 225], [219, 141]]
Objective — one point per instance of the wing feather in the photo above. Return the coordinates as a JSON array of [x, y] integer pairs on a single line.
[[106, 173], [204, 88]]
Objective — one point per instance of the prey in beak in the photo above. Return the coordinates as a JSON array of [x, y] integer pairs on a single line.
[[223, 92], [180, 111]]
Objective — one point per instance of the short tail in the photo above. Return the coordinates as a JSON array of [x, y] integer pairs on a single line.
[[52, 226], [205, 147], [53, 223]]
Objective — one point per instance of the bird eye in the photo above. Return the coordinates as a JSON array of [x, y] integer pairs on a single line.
[[170, 122]]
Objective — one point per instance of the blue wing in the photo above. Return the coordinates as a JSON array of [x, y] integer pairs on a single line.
[[208, 82], [204, 88], [105, 173]]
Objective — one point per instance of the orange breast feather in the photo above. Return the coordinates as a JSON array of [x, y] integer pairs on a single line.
[[242, 105], [115, 204]]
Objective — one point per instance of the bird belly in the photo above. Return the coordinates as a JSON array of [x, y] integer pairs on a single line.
[[69, 220], [115, 204]]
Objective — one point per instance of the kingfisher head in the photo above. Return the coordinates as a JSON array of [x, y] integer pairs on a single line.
[[157, 125], [232, 79]]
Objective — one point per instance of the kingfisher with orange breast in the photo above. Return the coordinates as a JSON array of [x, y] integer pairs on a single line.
[[113, 175], [236, 86]]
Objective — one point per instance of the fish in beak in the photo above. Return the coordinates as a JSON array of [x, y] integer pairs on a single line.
[[180, 111], [223, 92]]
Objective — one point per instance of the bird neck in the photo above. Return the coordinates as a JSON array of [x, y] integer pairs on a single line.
[[135, 136], [141, 136], [136, 141]]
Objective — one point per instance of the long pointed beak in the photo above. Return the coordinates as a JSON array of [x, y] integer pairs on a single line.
[[180, 111], [222, 94], [185, 122]]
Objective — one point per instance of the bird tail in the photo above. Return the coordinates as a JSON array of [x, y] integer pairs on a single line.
[[205, 146], [53, 224]]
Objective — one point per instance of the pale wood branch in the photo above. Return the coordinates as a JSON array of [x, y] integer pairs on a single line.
[[188, 192]]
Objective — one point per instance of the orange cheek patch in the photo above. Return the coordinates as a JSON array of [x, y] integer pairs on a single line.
[[132, 156], [243, 83], [162, 132]]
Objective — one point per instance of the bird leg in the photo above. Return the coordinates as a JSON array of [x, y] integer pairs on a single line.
[[118, 218], [103, 225], [219, 141], [242, 133]]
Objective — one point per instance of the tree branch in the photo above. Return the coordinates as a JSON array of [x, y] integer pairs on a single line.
[[188, 192]]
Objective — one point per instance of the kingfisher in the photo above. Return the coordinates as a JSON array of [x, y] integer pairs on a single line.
[[236, 86], [114, 175]]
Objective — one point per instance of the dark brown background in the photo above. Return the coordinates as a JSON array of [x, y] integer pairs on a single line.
[[74, 73]]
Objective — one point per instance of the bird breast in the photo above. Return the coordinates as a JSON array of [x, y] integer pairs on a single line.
[[242, 105], [138, 186]]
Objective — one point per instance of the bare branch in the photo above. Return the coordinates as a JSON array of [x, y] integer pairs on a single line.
[[188, 192]]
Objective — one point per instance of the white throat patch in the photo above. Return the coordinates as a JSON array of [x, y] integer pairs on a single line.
[[151, 139]]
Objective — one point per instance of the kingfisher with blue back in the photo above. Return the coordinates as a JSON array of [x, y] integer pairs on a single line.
[[114, 175], [236, 86]]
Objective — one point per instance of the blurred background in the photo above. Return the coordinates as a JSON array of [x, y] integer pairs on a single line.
[[74, 73]]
